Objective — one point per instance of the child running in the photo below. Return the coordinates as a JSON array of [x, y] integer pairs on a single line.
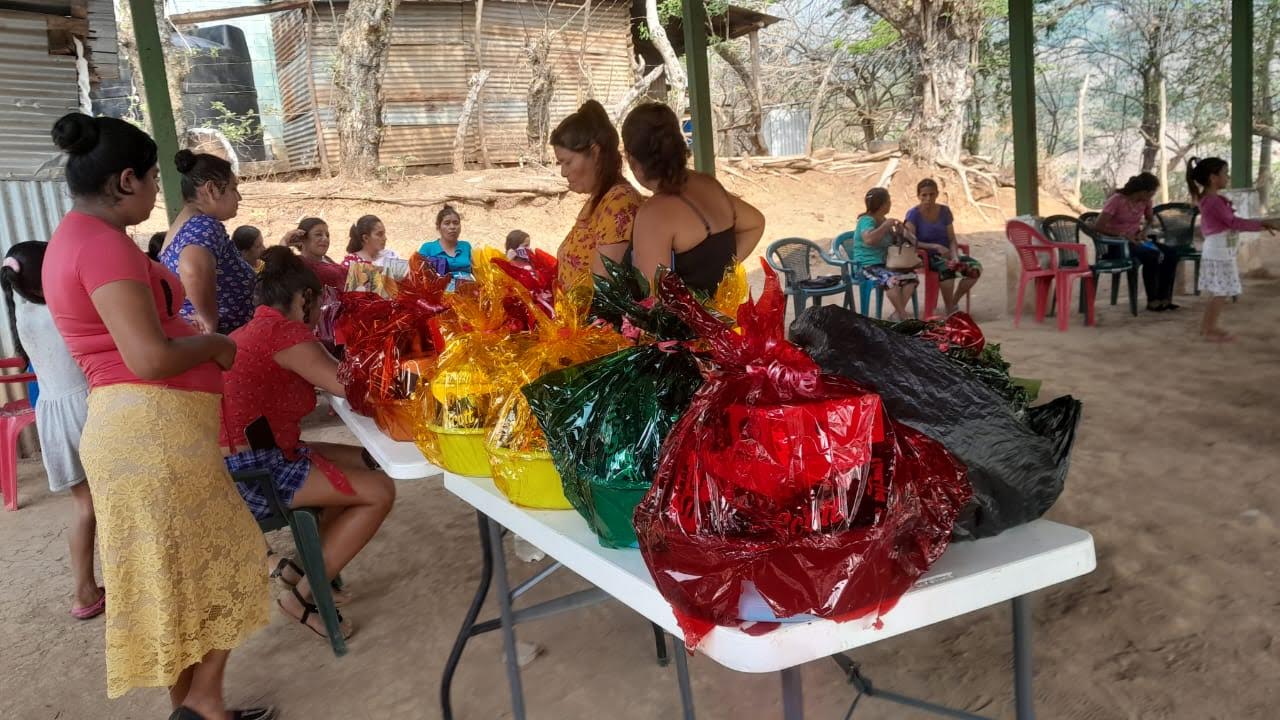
[[1219, 276], [60, 411]]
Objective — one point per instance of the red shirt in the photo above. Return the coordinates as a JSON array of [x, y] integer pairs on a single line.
[[86, 253], [329, 272], [258, 387]]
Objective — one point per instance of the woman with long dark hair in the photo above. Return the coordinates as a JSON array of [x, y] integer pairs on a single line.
[[586, 148], [691, 224], [181, 556], [1126, 215]]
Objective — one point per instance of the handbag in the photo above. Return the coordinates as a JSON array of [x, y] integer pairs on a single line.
[[901, 254]]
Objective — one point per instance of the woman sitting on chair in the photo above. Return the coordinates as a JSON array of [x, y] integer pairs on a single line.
[[869, 247], [1126, 216], [935, 231], [279, 365]]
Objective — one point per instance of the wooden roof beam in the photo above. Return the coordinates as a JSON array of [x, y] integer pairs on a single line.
[[204, 16]]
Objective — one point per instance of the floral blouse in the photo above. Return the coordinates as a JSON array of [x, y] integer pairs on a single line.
[[609, 224], [234, 278]]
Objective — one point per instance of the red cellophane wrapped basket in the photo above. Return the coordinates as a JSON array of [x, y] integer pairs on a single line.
[[788, 483]]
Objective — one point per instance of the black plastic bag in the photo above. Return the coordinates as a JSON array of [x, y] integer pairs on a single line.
[[1017, 466]]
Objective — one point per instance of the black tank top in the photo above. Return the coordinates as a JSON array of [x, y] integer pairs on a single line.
[[704, 265]]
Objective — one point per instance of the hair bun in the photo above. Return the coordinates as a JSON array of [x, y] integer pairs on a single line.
[[185, 160], [75, 133]]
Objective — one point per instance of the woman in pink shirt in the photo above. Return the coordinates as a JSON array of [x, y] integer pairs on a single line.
[[1219, 276], [1126, 216], [181, 555]]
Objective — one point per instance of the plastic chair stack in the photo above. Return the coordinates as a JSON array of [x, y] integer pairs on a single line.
[[1110, 257], [1032, 247], [15, 417]]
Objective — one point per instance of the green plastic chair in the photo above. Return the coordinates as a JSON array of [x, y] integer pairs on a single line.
[[1178, 221], [795, 258], [304, 524], [1111, 255]]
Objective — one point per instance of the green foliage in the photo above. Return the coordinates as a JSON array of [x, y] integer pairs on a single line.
[[882, 36], [238, 129]]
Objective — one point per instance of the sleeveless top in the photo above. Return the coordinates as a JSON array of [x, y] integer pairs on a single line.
[[704, 265]]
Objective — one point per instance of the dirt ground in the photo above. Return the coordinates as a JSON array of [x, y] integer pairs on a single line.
[[1173, 472]]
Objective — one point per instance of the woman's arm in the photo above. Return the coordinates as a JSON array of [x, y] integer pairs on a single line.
[[199, 274], [129, 312], [880, 235], [953, 245], [314, 363], [651, 242], [748, 227]]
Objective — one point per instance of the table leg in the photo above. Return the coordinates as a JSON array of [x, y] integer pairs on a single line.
[[1022, 673], [473, 613], [508, 622], [682, 675], [792, 694], [660, 642]]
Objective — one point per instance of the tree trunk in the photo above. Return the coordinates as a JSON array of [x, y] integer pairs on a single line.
[[1080, 105], [1265, 102], [357, 83], [677, 80], [755, 125], [470, 106], [542, 86], [972, 141], [815, 107], [941, 36], [1150, 127], [177, 66], [1162, 149], [479, 41]]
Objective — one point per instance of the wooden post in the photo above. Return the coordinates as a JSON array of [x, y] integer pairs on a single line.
[[1241, 93], [695, 53], [322, 149], [159, 106], [1022, 72], [757, 87]]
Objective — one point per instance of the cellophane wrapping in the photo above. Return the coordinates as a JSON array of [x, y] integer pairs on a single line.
[[388, 344], [951, 385], [522, 466], [367, 277], [790, 481], [461, 403], [605, 420]]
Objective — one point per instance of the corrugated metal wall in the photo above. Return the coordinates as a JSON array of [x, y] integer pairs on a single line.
[[431, 58], [39, 88], [29, 210]]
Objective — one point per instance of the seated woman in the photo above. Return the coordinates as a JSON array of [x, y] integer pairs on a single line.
[[248, 240], [219, 282], [1126, 216], [278, 366], [586, 148], [455, 253], [311, 238], [691, 224], [869, 250], [934, 229], [367, 243]]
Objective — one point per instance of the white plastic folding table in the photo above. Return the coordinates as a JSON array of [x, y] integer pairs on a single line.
[[970, 576]]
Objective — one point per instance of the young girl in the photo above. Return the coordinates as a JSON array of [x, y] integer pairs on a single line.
[[248, 241], [518, 242], [870, 249], [277, 369], [311, 237], [1219, 276], [60, 412], [367, 243]]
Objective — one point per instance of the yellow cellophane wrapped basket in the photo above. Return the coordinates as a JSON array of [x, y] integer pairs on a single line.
[[517, 449], [460, 404]]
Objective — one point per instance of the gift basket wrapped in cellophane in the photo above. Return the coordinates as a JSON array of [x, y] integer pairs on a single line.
[[522, 466], [390, 345], [786, 488], [605, 420], [483, 340]]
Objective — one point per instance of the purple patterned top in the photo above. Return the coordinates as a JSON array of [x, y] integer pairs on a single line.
[[235, 279]]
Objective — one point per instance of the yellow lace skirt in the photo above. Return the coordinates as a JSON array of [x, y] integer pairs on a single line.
[[182, 558]]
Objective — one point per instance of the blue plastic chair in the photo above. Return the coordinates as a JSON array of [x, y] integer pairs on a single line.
[[794, 258], [865, 286]]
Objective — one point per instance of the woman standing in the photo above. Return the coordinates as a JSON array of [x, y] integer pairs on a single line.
[[934, 228], [218, 281], [674, 228], [1126, 216], [180, 553], [449, 247], [586, 147]]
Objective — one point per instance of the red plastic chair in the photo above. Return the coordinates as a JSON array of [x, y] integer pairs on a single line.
[[932, 284], [1031, 245], [14, 418]]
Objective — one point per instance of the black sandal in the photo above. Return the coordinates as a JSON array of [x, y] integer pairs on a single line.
[[340, 598], [309, 609], [262, 713]]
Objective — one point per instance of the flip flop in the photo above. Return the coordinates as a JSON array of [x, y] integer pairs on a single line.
[[91, 611], [266, 713]]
